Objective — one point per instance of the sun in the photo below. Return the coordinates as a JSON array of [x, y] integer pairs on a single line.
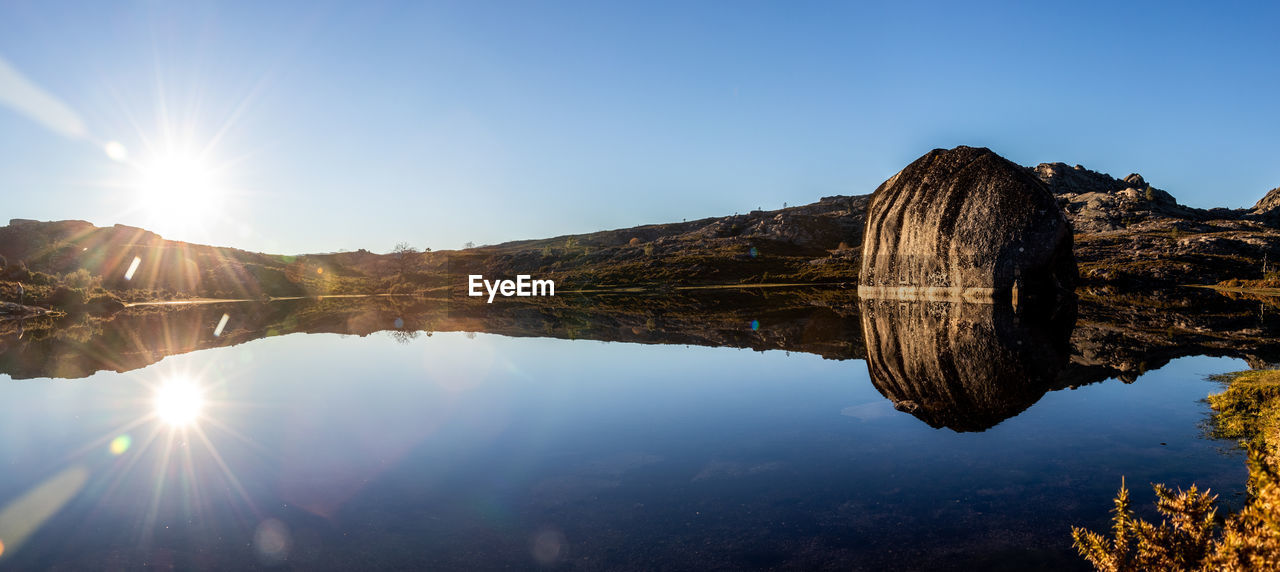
[[179, 402], [178, 189]]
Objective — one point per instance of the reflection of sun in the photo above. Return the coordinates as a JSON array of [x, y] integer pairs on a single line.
[[172, 435], [178, 402], [177, 189]]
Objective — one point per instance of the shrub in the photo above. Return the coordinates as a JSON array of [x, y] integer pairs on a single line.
[[1179, 542], [40, 278], [17, 272], [65, 296], [104, 303], [403, 288], [1186, 539], [82, 279]]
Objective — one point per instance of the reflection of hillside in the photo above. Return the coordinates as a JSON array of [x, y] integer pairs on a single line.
[[822, 322], [1123, 335], [1115, 336]]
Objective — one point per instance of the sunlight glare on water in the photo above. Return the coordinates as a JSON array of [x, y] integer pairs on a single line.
[[178, 402]]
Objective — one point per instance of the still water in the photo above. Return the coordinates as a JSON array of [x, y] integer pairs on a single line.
[[480, 451]]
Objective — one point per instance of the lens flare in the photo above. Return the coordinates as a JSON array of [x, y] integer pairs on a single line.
[[24, 515], [116, 151], [120, 444], [133, 268], [222, 324], [272, 542], [178, 402]]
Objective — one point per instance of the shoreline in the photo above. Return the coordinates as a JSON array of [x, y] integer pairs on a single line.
[[1237, 289]]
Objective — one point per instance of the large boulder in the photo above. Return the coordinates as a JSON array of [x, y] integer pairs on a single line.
[[967, 224]]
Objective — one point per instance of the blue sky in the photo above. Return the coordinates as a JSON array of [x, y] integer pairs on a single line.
[[327, 126]]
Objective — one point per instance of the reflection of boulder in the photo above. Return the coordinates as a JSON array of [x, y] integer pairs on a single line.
[[964, 223], [963, 366]]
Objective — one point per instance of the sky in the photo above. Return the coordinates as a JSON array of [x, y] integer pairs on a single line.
[[295, 127]]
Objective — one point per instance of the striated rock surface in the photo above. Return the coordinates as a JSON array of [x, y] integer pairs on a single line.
[[966, 367], [968, 222]]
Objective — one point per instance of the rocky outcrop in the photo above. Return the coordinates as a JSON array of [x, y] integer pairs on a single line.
[[1097, 202], [967, 223], [1131, 234], [1064, 179], [1268, 205]]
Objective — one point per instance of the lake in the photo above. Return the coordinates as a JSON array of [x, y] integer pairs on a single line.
[[728, 431]]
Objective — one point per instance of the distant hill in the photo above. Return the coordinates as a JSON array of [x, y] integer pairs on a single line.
[[1130, 233], [818, 242], [811, 243], [165, 267]]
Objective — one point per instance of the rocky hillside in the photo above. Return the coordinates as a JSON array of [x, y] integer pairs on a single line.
[[1131, 233], [1127, 233], [818, 242]]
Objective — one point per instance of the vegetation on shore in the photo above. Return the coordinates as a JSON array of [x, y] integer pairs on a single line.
[[74, 266], [1192, 535], [1268, 284], [73, 292]]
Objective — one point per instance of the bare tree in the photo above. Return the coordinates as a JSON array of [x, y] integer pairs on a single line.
[[405, 257], [404, 336]]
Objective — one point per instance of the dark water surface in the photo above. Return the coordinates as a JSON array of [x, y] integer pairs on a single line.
[[481, 451]]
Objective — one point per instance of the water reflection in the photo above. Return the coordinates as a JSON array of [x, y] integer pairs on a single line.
[[178, 402], [458, 450], [822, 322], [963, 366], [956, 366]]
